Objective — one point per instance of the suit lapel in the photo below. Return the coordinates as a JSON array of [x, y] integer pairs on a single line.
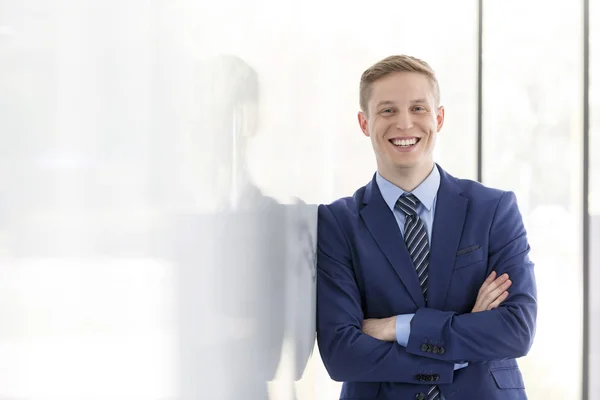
[[382, 225], [448, 222]]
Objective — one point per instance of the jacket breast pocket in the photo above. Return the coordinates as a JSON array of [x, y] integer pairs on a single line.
[[508, 377], [468, 256]]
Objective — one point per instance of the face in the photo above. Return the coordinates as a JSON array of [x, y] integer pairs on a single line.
[[402, 120]]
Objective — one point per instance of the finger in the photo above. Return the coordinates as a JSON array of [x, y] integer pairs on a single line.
[[495, 284], [494, 294], [499, 300], [486, 293], [490, 278]]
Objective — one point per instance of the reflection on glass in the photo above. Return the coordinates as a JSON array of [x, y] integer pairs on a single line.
[[243, 260], [139, 257]]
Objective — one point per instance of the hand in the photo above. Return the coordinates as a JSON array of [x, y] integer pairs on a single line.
[[380, 328], [492, 292]]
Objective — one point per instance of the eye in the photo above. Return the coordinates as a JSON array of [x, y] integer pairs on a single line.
[[420, 108], [387, 111]]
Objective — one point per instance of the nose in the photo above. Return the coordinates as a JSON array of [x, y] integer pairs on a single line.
[[404, 121]]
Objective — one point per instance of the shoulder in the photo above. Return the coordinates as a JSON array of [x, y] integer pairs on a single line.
[[477, 191], [344, 207], [480, 195], [471, 189]]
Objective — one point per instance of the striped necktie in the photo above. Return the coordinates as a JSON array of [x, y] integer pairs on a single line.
[[417, 243], [415, 236]]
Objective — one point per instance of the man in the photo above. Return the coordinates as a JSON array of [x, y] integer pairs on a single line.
[[413, 269]]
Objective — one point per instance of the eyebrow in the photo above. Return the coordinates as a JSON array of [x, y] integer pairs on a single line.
[[391, 103], [385, 103]]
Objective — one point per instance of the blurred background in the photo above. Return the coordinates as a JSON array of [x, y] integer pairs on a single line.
[[160, 163]]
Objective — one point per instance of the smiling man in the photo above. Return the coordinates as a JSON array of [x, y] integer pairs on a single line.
[[425, 288]]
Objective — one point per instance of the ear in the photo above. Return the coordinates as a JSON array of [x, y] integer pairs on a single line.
[[440, 118], [364, 123]]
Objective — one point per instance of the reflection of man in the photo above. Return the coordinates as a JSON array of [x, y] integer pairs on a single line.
[[233, 260], [413, 269]]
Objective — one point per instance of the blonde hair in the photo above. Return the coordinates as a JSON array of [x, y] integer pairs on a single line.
[[389, 65]]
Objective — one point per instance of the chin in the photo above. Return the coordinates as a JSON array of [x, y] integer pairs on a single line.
[[404, 166], [410, 162], [405, 162]]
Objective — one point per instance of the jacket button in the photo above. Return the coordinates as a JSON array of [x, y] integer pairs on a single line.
[[441, 351], [429, 378], [435, 349], [420, 396], [424, 347], [436, 377]]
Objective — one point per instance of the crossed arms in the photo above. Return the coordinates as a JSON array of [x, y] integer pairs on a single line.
[[503, 332]]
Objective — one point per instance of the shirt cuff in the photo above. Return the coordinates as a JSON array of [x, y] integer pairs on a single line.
[[403, 328], [460, 366]]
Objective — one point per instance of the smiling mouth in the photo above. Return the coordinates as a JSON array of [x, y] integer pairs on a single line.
[[405, 143]]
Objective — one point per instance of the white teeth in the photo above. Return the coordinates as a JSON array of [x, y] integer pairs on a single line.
[[404, 142]]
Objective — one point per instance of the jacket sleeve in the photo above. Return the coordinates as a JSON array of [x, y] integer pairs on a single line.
[[503, 333], [347, 353]]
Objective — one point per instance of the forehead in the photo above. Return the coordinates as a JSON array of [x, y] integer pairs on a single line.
[[401, 86]]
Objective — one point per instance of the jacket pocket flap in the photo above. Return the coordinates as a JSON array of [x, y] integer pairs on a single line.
[[467, 250], [508, 378], [468, 258]]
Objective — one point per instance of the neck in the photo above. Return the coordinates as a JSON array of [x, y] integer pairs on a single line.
[[408, 179]]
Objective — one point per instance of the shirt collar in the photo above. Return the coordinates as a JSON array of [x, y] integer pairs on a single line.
[[425, 192]]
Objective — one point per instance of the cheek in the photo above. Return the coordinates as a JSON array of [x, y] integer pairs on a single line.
[[381, 129], [428, 127]]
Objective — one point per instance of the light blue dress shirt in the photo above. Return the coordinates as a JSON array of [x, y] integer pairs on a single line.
[[426, 192]]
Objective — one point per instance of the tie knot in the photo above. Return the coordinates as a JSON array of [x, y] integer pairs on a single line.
[[408, 203]]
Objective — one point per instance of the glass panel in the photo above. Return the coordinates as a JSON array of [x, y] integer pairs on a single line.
[[309, 62], [161, 149], [84, 300], [532, 134]]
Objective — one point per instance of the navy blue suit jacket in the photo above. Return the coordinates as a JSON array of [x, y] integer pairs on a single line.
[[364, 271]]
